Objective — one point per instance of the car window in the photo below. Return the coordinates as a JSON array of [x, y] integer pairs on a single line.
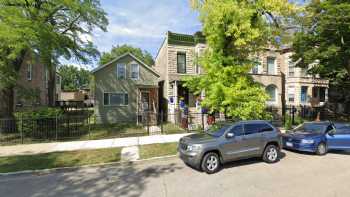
[[266, 128], [252, 128], [343, 129], [237, 130]]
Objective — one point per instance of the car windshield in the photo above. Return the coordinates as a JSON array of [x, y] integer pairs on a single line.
[[218, 129], [310, 128]]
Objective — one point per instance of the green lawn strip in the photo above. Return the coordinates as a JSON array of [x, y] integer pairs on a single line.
[[158, 150], [171, 128], [59, 159]]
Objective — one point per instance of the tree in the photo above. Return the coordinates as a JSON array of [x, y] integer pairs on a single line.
[[53, 29], [235, 31], [122, 49], [324, 39], [74, 78]]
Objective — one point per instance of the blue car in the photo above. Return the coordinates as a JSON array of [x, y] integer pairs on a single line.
[[318, 137]]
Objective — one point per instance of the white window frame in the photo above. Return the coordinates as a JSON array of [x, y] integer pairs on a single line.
[[138, 71], [30, 72], [274, 63], [118, 77], [290, 62], [291, 93], [275, 101], [259, 66], [109, 99]]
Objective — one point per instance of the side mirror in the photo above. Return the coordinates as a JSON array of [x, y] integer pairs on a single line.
[[230, 135], [331, 132]]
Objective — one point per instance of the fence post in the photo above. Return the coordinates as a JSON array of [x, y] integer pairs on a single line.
[[56, 127], [89, 129], [161, 122], [147, 122], [202, 121], [22, 140]]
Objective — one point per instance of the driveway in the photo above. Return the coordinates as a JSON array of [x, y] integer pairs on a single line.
[[295, 175]]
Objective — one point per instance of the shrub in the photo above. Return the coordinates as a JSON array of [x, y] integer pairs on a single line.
[[42, 120], [288, 122]]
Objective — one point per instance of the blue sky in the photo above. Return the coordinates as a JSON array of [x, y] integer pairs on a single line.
[[143, 23]]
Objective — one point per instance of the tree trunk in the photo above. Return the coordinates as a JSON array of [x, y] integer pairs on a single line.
[[51, 87], [7, 98]]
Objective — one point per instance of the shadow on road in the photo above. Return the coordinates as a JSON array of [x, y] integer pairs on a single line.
[[126, 180]]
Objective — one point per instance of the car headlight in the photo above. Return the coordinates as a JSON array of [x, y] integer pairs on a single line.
[[193, 147], [304, 141]]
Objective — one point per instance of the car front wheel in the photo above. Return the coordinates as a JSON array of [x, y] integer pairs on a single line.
[[211, 163], [321, 149], [271, 154]]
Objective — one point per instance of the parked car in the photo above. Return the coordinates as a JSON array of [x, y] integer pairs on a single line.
[[228, 142], [318, 137]]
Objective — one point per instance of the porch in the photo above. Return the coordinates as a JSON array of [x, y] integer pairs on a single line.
[[147, 105]]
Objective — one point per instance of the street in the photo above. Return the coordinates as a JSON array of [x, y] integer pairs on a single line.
[[295, 175]]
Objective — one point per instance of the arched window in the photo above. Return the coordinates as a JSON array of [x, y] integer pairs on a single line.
[[271, 90]]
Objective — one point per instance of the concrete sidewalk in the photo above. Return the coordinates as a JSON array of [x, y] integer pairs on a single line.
[[31, 149]]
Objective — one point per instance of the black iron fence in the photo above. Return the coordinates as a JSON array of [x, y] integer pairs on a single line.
[[91, 127]]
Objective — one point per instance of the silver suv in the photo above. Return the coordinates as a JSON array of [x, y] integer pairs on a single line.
[[230, 141]]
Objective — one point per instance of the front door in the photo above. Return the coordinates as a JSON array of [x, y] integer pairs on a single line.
[[340, 139], [145, 101], [233, 148]]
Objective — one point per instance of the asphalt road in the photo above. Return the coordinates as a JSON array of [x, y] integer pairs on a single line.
[[295, 175]]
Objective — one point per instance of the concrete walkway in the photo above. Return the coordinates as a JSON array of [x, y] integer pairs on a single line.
[[130, 153], [30, 149]]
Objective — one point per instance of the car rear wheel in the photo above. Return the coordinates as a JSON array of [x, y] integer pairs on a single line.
[[321, 149], [271, 154], [211, 163]]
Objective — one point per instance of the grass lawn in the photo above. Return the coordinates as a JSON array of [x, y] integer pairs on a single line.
[[158, 150], [114, 130], [59, 159], [171, 128]]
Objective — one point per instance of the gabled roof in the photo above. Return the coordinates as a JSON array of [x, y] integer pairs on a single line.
[[124, 55]]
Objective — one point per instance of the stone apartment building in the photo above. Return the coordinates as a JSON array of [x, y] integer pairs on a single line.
[[175, 60], [32, 85], [286, 84]]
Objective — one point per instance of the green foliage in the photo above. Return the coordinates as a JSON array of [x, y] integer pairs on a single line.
[[324, 39], [235, 32], [53, 29], [44, 112], [74, 78], [122, 49], [31, 95], [288, 122]]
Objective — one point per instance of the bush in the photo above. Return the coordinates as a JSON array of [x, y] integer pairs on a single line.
[[46, 112], [39, 122], [288, 122]]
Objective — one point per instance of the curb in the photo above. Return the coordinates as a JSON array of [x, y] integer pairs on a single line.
[[70, 169]]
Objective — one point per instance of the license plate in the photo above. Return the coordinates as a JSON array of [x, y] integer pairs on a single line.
[[289, 144]]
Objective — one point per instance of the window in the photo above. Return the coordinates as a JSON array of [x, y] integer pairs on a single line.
[[135, 71], [291, 69], [256, 68], [115, 99], [237, 130], [181, 63], [252, 128], [271, 67], [291, 94], [322, 94], [303, 94], [29, 72], [271, 90], [265, 127], [342, 129], [121, 71]]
